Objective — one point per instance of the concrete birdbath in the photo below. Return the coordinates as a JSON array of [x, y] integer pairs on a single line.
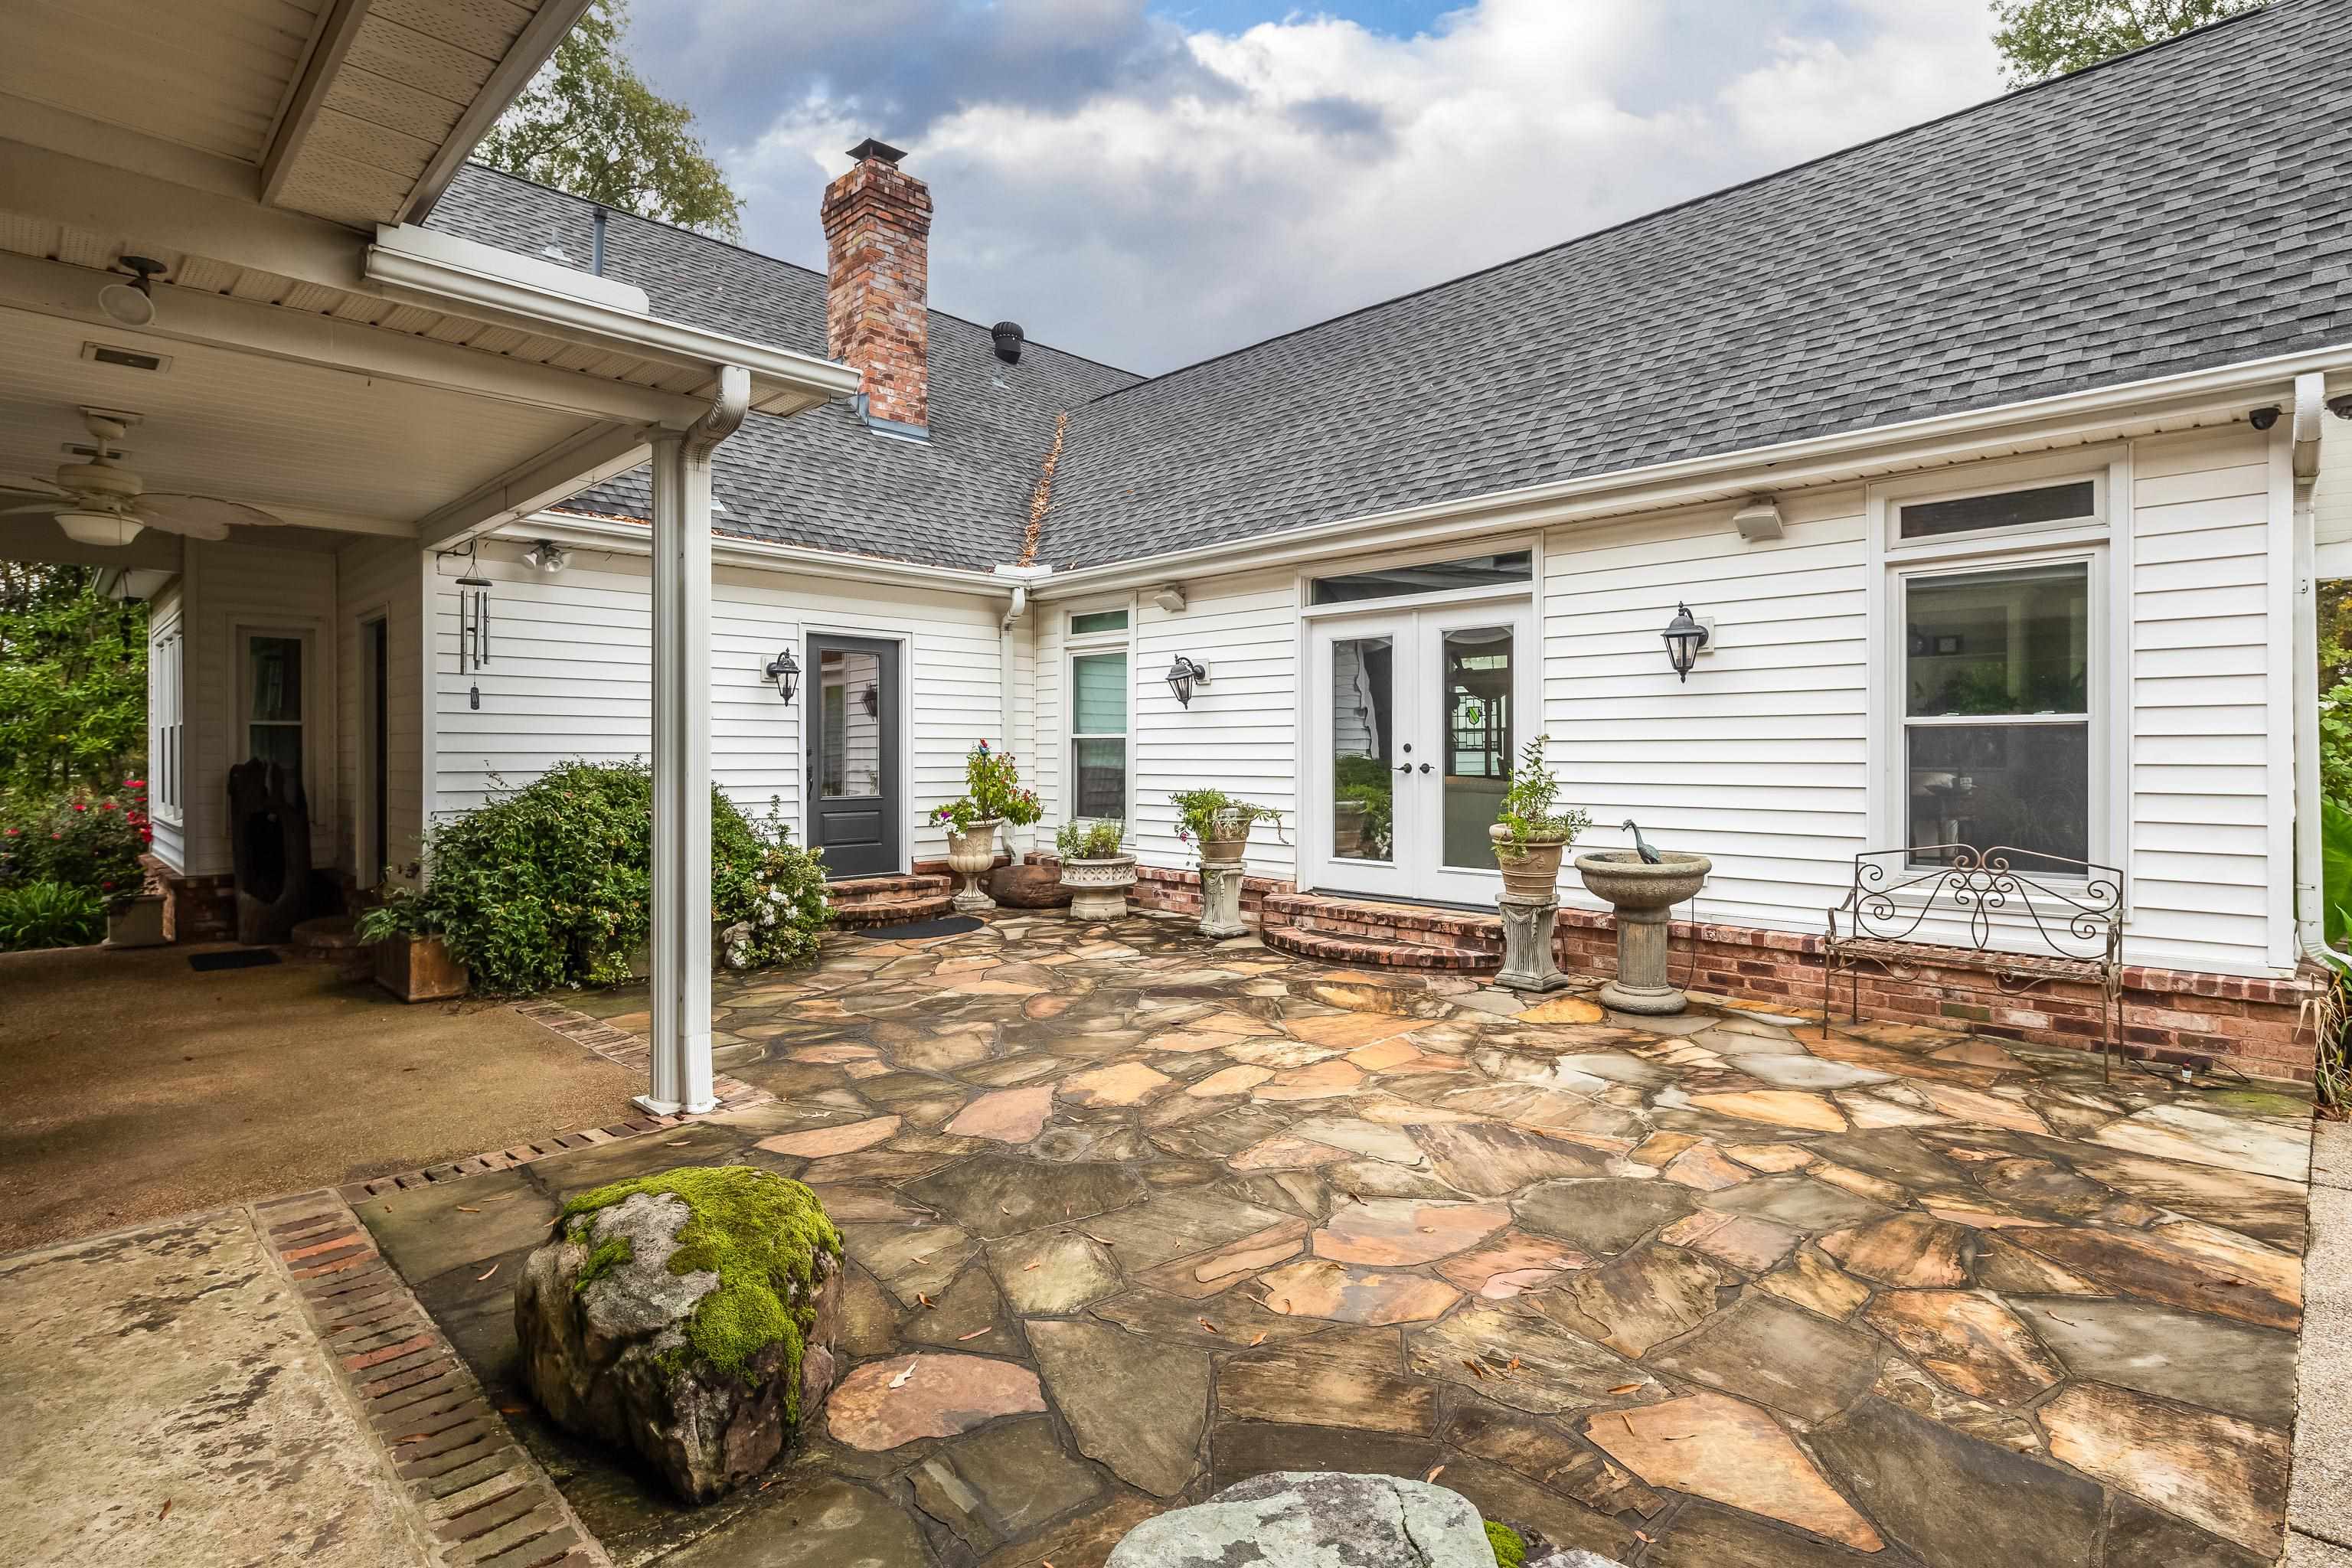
[[1644, 896]]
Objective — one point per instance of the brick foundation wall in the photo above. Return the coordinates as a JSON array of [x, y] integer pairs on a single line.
[[196, 909], [1179, 892]]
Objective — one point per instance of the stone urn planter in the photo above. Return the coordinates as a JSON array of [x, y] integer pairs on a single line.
[[1097, 889], [135, 921], [1227, 839], [972, 853], [689, 1317], [1534, 874], [419, 969], [1644, 896]]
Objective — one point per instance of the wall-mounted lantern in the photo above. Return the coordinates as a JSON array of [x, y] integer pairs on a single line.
[[1184, 675], [785, 671], [1684, 636]]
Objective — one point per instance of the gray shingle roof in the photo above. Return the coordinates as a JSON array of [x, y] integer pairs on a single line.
[[2185, 207], [824, 481]]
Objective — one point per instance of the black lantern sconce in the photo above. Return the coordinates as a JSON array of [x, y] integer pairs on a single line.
[[785, 671], [1184, 675], [1684, 636]]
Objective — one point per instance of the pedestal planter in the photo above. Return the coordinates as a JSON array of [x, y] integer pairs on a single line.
[[1534, 874], [1220, 897], [1644, 896], [1098, 888], [1227, 839], [419, 969], [136, 921], [1526, 942], [970, 853]]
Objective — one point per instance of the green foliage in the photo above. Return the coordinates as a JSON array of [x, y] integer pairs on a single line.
[[1096, 840], [1205, 813], [73, 682], [761, 1234], [2336, 867], [49, 914], [1529, 810], [2042, 38], [550, 884], [1367, 781], [1510, 1551], [2334, 691], [991, 792], [90, 842], [588, 125]]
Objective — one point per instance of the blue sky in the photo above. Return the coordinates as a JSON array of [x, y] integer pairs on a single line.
[[1150, 182]]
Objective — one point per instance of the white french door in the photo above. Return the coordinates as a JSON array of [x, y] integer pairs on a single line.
[[1413, 718]]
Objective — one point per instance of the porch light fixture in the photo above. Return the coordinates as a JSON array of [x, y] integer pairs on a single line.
[[547, 556], [1684, 636], [1184, 675], [132, 303], [785, 671]]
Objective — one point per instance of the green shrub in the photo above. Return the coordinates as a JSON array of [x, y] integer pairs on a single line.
[[1528, 809], [1510, 1550], [49, 914], [550, 884], [1199, 810], [1096, 840], [92, 842]]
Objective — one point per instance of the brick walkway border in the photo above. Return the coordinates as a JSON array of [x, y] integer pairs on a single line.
[[598, 1038], [484, 1501]]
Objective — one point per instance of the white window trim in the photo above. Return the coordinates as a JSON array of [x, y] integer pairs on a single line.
[[1075, 646], [167, 736], [2104, 543]]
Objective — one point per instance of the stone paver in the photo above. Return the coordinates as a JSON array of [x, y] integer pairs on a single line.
[[1155, 1216]]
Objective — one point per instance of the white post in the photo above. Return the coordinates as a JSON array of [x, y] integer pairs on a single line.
[[681, 754]]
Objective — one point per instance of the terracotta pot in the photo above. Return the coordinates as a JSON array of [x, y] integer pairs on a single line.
[[1098, 888], [1534, 874], [419, 969]]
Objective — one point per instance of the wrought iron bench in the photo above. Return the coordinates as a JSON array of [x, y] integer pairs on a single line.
[[2062, 921]]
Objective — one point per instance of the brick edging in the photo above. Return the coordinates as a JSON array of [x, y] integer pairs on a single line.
[[599, 1039], [483, 1501]]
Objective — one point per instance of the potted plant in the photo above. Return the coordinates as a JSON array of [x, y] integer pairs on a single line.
[[1096, 875], [1218, 823], [992, 793], [1530, 832], [411, 961]]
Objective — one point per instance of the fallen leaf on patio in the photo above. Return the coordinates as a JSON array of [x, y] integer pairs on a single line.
[[1097, 1240], [167, 1510], [468, 1208], [1260, 1340], [411, 1437], [1434, 1471], [486, 1274], [900, 1381], [1644, 1535], [973, 1335], [1475, 1367], [1625, 1388], [1208, 1325], [1027, 1267], [923, 1300], [511, 1409]]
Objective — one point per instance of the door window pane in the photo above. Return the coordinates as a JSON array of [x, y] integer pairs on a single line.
[[1363, 707], [2022, 787], [851, 683], [1999, 642], [1477, 702]]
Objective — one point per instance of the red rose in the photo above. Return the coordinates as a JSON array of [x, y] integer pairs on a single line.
[[79, 806]]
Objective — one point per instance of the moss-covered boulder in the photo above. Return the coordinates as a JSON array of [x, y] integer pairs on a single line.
[[689, 1316]]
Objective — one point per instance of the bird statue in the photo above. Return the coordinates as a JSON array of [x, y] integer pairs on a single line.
[[1641, 844]]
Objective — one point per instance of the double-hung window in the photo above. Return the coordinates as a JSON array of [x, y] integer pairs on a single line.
[[1100, 687], [1997, 674], [166, 725]]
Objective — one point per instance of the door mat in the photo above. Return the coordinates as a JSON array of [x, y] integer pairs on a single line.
[[241, 958], [946, 925]]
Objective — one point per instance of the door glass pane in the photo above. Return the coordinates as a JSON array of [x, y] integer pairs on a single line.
[[2023, 787], [851, 682], [1363, 707], [1098, 694], [1477, 702], [1101, 789], [1998, 642]]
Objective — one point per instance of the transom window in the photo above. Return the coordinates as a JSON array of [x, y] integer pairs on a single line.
[[1428, 577], [1087, 623], [2077, 499]]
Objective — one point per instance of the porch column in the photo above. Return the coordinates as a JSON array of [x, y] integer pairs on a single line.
[[681, 754]]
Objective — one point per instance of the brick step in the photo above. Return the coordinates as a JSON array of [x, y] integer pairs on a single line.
[[1383, 952], [334, 939], [861, 902]]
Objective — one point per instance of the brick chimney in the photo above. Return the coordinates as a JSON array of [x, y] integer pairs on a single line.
[[877, 225]]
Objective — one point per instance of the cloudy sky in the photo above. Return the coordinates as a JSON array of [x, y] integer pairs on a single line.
[[1150, 182]]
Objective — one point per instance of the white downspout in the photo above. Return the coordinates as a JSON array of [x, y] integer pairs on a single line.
[[1008, 695], [2310, 907]]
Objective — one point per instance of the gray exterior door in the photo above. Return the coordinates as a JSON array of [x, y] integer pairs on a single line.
[[856, 797]]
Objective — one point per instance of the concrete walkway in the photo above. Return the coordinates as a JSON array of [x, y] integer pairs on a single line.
[[169, 1403], [2319, 1506]]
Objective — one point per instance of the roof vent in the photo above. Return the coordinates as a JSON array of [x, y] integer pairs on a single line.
[[1009, 338]]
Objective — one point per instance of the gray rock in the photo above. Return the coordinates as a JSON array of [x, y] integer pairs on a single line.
[[612, 1360], [1313, 1519]]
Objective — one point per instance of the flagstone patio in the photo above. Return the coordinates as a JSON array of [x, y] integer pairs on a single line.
[[1134, 1215]]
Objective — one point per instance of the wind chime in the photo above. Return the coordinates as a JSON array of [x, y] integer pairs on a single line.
[[473, 624]]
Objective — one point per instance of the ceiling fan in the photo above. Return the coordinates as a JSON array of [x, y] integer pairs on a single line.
[[103, 502]]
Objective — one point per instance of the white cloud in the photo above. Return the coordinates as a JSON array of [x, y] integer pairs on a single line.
[[1194, 201]]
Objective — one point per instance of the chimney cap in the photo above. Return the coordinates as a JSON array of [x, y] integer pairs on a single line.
[[873, 147]]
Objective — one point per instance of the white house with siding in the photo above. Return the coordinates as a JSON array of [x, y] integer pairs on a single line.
[[1995, 454]]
